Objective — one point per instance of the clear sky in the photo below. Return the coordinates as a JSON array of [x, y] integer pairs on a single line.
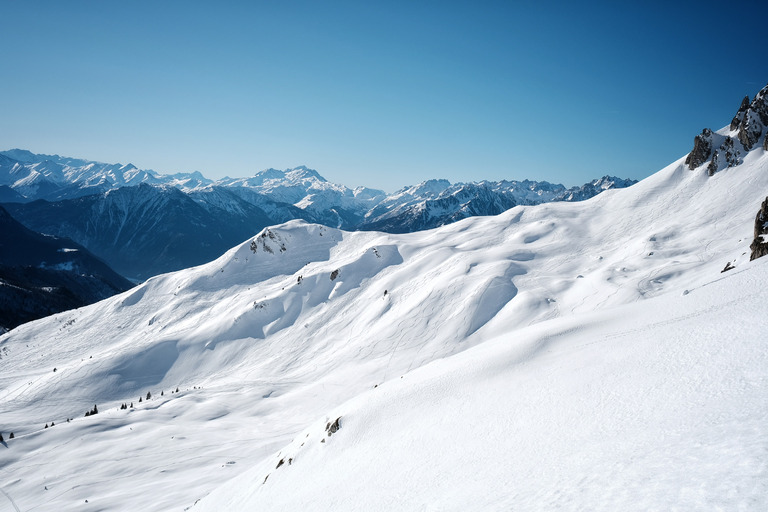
[[382, 94]]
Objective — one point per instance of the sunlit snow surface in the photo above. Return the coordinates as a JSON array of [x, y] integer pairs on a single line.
[[575, 393]]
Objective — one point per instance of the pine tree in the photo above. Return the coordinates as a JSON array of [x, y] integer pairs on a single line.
[[162, 393], [149, 395], [52, 423], [1, 438], [95, 410], [131, 405], [177, 389], [11, 436], [46, 425], [139, 399]]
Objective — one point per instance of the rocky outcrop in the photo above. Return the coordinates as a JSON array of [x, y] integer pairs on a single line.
[[747, 128], [736, 122], [722, 151], [702, 149], [759, 245], [754, 121], [727, 155]]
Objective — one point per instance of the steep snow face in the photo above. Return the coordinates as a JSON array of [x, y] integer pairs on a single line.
[[286, 327]]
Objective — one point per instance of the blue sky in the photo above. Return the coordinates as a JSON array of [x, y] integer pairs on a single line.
[[381, 94]]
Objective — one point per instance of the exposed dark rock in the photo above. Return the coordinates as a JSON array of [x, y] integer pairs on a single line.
[[750, 131], [736, 122], [332, 428], [728, 266], [702, 149], [727, 155], [750, 125], [759, 245], [334, 274], [754, 120]]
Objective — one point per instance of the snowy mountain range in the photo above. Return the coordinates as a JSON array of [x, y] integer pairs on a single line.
[[144, 223], [592, 355]]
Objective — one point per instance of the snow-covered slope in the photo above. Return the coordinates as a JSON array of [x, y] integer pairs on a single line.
[[280, 332], [655, 405], [587, 355]]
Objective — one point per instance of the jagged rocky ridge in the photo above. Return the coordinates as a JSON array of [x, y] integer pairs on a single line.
[[145, 223], [727, 147]]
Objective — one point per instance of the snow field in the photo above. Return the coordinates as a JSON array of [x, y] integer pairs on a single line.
[[651, 406], [576, 392]]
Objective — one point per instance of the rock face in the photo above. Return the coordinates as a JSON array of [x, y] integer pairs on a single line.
[[759, 245], [724, 150], [727, 155], [736, 122], [755, 120], [702, 149]]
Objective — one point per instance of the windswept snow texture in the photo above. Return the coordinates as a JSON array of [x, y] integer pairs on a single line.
[[587, 356]]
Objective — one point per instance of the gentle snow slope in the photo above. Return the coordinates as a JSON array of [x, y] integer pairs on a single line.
[[290, 325], [656, 405]]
